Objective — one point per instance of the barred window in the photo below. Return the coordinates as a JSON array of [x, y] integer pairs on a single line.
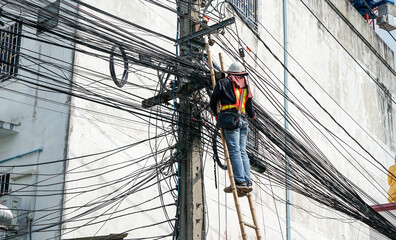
[[247, 8], [10, 49], [4, 184]]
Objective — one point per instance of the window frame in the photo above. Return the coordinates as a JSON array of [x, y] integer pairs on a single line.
[[245, 8], [10, 48], [4, 184]]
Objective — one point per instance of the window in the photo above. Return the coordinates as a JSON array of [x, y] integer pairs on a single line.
[[4, 184], [10, 48], [247, 8]]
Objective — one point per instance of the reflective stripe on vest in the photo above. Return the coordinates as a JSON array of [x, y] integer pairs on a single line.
[[237, 92]]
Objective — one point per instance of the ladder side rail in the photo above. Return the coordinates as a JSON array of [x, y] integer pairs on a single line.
[[255, 222]]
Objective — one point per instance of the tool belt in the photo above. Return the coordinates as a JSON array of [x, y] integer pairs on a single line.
[[234, 110], [228, 119]]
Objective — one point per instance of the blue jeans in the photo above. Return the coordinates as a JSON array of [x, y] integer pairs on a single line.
[[236, 142]]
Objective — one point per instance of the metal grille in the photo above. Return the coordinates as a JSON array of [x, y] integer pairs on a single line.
[[247, 8], [10, 49], [4, 184]]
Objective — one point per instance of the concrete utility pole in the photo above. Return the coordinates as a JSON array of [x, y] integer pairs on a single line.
[[191, 208]]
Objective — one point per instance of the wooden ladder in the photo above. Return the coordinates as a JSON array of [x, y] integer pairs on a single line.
[[242, 223]]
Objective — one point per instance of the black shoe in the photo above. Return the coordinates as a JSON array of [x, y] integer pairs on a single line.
[[241, 194], [228, 189], [247, 187], [239, 186]]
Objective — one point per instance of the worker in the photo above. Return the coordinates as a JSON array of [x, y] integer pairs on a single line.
[[226, 91], [392, 183]]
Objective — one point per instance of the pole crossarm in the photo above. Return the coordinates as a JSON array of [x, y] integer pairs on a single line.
[[206, 30]]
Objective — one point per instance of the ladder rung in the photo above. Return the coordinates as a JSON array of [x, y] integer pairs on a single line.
[[250, 225]]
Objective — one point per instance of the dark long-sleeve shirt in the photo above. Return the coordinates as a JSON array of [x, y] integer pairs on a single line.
[[224, 91]]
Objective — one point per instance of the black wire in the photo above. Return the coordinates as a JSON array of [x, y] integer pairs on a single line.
[[305, 157]]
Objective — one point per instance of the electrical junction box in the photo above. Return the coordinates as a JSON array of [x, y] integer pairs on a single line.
[[13, 203], [48, 17], [387, 16]]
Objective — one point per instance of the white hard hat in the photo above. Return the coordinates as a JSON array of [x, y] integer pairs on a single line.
[[236, 68]]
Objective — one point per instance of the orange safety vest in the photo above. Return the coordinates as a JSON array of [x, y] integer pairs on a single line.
[[237, 92]]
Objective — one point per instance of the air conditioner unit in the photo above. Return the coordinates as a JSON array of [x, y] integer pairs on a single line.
[[13, 203], [387, 16]]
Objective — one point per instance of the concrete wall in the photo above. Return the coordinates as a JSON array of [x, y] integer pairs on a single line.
[[110, 180], [371, 115], [43, 117], [41, 136], [339, 82], [322, 57]]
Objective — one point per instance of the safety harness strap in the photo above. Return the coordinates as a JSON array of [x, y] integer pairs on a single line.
[[240, 100]]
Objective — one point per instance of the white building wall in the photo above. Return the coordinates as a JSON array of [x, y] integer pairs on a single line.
[[321, 56], [351, 88], [96, 128], [41, 136]]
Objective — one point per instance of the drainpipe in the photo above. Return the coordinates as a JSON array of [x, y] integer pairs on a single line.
[[286, 105], [33, 203], [21, 155]]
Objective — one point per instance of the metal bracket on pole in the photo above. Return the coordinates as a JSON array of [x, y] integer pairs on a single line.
[[206, 30]]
